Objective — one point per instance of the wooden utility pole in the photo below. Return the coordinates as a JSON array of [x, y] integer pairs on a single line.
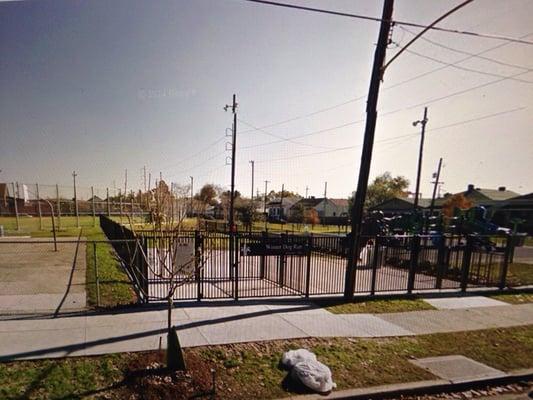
[[368, 144], [232, 251], [325, 198], [93, 205], [74, 175], [281, 201], [39, 207], [252, 163], [58, 207], [435, 185], [265, 204], [15, 196], [108, 204], [192, 194], [423, 122]]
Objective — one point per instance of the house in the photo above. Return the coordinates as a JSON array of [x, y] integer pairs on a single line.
[[279, 208], [504, 206], [330, 211]]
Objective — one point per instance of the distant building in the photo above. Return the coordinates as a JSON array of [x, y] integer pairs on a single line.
[[505, 206]]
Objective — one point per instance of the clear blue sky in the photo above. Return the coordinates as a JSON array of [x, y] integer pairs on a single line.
[[103, 86]]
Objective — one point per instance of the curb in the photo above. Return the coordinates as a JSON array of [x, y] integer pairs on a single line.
[[417, 388]]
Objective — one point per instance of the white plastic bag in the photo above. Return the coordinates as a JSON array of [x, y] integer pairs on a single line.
[[293, 357], [308, 370], [314, 375]]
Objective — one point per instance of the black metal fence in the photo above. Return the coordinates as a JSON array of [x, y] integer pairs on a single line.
[[267, 265]]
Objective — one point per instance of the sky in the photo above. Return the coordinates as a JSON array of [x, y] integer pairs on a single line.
[[100, 87]]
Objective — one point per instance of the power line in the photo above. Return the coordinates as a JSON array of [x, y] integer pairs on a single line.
[[459, 92], [419, 34], [283, 139], [319, 131], [477, 71], [394, 138], [405, 23], [408, 80], [306, 115], [493, 60], [195, 154]]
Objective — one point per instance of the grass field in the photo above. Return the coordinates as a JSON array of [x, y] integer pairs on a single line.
[[376, 306], [520, 274], [115, 287], [251, 370]]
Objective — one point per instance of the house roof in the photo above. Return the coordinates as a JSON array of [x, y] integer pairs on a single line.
[[339, 202], [310, 202], [493, 194], [287, 201]]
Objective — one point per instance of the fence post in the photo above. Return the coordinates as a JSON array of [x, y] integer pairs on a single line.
[[58, 208], [237, 262], [96, 276], [375, 259], [308, 266], [440, 261], [262, 257], [467, 257], [39, 207], [281, 275], [197, 255], [144, 264], [413, 264], [76, 202], [509, 248], [15, 194]]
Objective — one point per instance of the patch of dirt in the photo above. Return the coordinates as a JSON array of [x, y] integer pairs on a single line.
[[147, 378]]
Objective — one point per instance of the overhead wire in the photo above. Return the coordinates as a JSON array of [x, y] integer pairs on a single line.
[[396, 22]]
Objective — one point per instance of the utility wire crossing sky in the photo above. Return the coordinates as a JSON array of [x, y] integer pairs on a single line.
[[101, 87]]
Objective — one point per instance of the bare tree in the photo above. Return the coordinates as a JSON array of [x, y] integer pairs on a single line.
[[174, 258]]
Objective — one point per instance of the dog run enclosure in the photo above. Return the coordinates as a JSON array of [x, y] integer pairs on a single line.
[[266, 265]]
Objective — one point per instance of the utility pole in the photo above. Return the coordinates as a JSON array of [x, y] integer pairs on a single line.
[[252, 197], [435, 185], [306, 191], [232, 250], [325, 198], [265, 205], [192, 192], [368, 144], [281, 201], [74, 175], [144, 176], [423, 122], [126, 182]]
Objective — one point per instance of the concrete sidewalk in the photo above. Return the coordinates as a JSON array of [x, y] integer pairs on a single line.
[[204, 324]]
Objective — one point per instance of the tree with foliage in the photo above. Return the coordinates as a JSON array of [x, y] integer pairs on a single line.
[[311, 217], [208, 194], [455, 201], [384, 187]]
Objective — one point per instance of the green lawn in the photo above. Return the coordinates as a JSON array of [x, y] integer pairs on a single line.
[[520, 274], [517, 298], [376, 306], [275, 227], [251, 370], [115, 287]]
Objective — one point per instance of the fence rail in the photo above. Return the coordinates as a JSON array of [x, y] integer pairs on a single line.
[[267, 265]]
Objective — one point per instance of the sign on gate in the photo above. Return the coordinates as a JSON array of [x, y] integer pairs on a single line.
[[274, 247], [184, 256]]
